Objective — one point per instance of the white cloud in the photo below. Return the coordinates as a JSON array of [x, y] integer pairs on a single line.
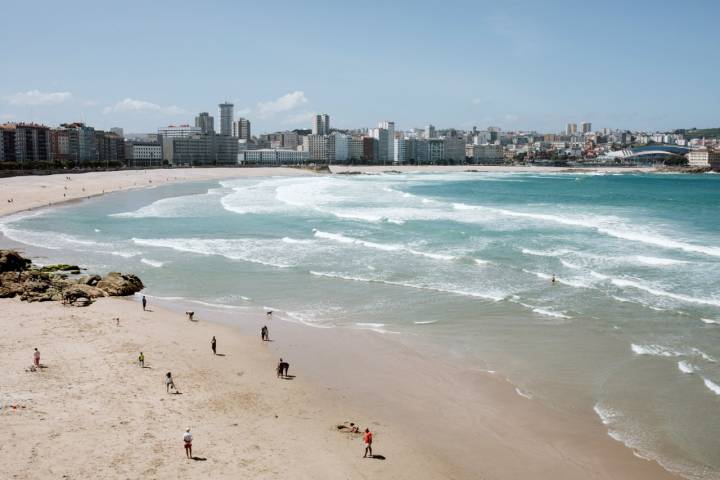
[[299, 118], [35, 98], [132, 105], [287, 102], [243, 112], [476, 101]]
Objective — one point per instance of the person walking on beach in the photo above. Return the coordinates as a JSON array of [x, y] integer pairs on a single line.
[[169, 383], [36, 358], [367, 440], [213, 344], [187, 440], [144, 302], [141, 360], [264, 333]]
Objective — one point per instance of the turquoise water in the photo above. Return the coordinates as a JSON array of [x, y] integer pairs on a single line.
[[461, 263]]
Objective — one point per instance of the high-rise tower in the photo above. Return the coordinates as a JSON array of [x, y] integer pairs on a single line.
[[226, 118]]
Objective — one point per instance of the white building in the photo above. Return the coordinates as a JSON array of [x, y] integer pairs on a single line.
[[703, 157], [390, 127], [317, 147], [272, 156], [321, 124], [179, 131], [143, 154], [400, 150]]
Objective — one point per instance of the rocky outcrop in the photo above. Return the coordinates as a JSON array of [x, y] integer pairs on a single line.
[[120, 284], [19, 278], [11, 261]]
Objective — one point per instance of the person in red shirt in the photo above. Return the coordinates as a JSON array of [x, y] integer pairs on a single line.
[[367, 439]]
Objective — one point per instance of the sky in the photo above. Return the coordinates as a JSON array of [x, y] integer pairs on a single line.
[[518, 65]]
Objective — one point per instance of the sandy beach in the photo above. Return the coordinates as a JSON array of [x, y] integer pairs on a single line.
[[93, 412]]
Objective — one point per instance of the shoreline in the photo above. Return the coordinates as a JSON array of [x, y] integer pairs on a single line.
[[488, 425]]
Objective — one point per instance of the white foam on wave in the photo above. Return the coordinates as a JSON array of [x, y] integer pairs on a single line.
[[655, 261], [60, 241], [703, 355], [654, 350], [297, 241], [544, 253], [620, 282], [523, 394], [425, 322], [570, 265], [465, 293], [710, 321], [480, 261], [685, 366], [246, 250], [172, 207], [549, 313], [387, 247], [152, 263], [610, 226], [712, 386]]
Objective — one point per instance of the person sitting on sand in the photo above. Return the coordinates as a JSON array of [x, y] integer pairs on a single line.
[[187, 440], [169, 383], [367, 440], [36, 358], [141, 360], [213, 344], [349, 427]]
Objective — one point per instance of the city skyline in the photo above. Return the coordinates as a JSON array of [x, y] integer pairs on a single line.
[[515, 66]]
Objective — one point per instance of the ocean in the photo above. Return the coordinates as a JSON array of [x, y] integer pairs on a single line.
[[461, 264]]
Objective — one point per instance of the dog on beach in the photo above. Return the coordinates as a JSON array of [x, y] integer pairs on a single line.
[[190, 315]]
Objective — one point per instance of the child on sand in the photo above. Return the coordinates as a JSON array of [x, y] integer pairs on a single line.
[[213, 344], [36, 358], [141, 360], [367, 440], [187, 439]]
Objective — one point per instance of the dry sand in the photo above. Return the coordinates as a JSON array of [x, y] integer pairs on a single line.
[[93, 413], [33, 191]]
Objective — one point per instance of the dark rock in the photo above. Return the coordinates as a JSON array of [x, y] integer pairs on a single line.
[[11, 261], [120, 284]]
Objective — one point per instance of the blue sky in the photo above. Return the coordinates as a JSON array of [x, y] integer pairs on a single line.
[[514, 64]]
